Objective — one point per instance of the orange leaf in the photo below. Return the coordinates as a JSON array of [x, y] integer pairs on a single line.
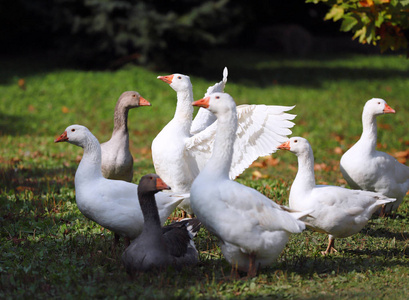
[[366, 3], [31, 108], [22, 83], [258, 175], [271, 161], [400, 154], [257, 164], [338, 150], [319, 167], [65, 110]]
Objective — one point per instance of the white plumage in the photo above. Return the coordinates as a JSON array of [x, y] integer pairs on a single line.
[[336, 211], [178, 156], [111, 203], [253, 230], [204, 118], [363, 167]]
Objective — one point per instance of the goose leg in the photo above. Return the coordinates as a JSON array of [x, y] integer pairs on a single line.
[[116, 239], [234, 274], [382, 214], [330, 248], [252, 272]]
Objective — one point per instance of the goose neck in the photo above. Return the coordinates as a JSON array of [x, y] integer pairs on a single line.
[[305, 178], [150, 212], [90, 165], [221, 159], [184, 108], [369, 131], [121, 118]]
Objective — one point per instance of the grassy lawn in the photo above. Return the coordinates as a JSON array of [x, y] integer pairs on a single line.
[[48, 249]]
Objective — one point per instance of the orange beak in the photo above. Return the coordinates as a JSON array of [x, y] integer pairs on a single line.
[[62, 138], [143, 102], [284, 146], [160, 185], [388, 109], [202, 102], [168, 79]]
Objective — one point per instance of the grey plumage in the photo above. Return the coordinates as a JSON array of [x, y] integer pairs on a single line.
[[157, 247]]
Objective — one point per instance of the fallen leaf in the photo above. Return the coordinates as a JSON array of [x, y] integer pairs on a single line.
[[400, 154], [24, 188], [65, 110], [271, 161], [341, 181], [31, 108], [338, 150], [319, 167], [256, 164], [22, 84], [385, 126], [258, 175]]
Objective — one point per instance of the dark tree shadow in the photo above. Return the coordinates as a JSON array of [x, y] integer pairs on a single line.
[[15, 125], [255, 68], [37, 180], [385, 233]]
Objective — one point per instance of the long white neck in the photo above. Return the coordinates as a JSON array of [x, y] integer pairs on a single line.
[[90, 165], [220, 162], [305, 179], [184, 109], [369, 132]]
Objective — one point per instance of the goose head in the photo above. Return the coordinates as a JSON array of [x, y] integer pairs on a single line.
[[217, 103], [75, 134], [178, 82], [296, 145], [152, 183], [131, 99], [376, 107]]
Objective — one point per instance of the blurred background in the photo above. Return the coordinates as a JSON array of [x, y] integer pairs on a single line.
[[166, 34]]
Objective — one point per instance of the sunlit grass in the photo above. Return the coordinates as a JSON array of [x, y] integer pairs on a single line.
[[48, 249]]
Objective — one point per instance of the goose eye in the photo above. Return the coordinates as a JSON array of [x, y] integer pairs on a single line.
[[134, 95], [179, 77], [72, 130], [217, 97], [295, 141], [379, 102]]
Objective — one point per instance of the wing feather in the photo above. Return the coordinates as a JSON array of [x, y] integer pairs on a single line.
[[261, 128], [205, 118]]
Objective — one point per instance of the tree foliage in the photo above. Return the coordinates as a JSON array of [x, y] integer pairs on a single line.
[[150, 31], [378, 22]]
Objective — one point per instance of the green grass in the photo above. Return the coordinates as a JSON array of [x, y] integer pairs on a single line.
[[48, 249]]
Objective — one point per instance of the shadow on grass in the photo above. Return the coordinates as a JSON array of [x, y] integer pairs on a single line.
[[36, 180], [385, 233], [359, 261], [246, 67], [263, 70], [15, 125]]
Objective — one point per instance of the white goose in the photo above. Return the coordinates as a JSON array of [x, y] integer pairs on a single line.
[[363, 167], [116, 159], [336, 211], [253, 229], [178, 156], [204, 118], [111, 203]]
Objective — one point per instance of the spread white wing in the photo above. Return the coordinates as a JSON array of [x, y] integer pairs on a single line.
[[261, 128]]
